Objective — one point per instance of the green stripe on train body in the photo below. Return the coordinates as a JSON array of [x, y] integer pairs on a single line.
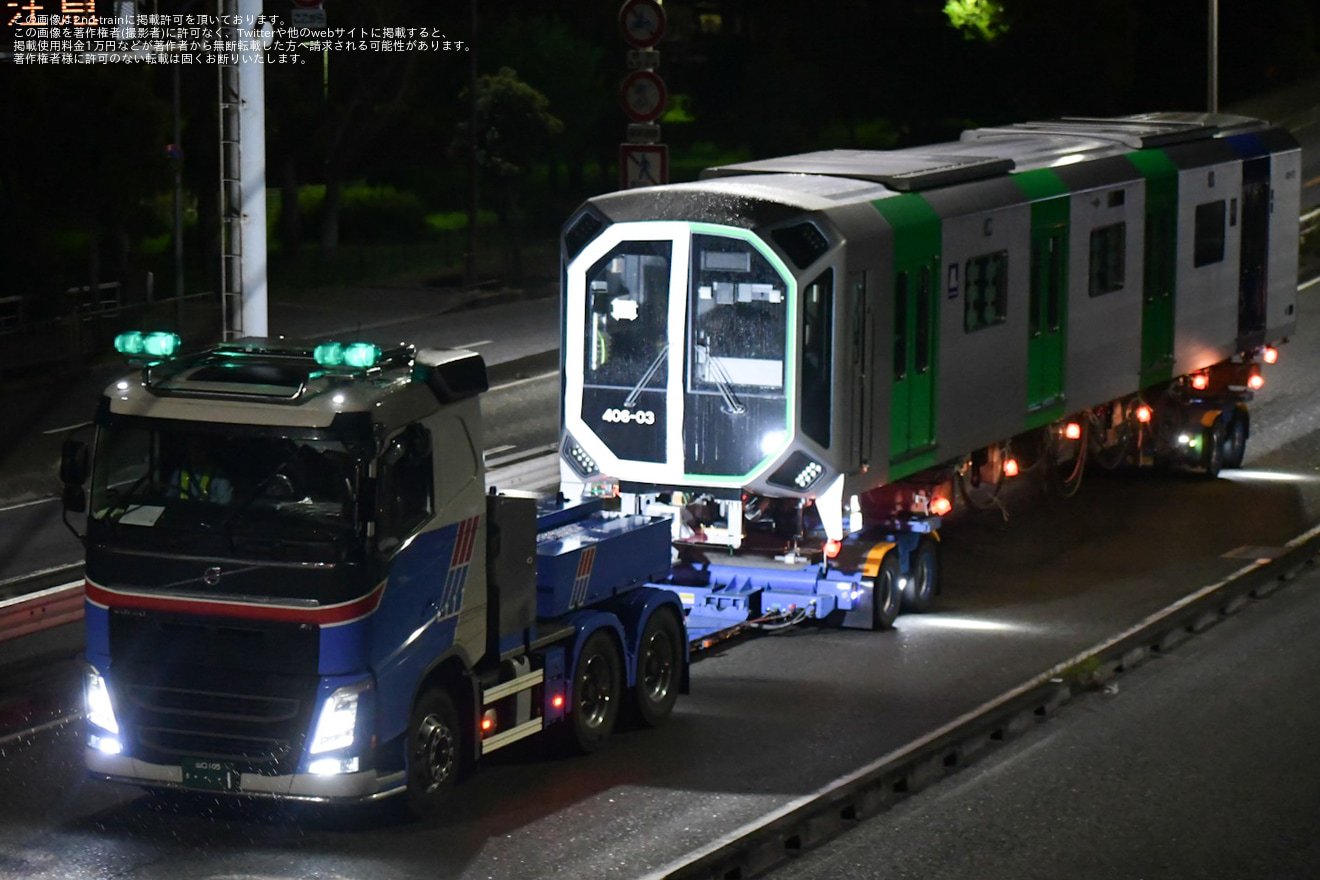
[[917, 230]]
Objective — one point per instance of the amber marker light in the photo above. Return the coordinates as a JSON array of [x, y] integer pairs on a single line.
[[1270, 355], [1073, 431], [557, 701], [1256, 382], [1143, 414], [1011, 468], [941, 506], [1200, 381], [832, 548]]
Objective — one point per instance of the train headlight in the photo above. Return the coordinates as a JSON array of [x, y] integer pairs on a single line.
[[578, 459], [96, 699], [772, 441]]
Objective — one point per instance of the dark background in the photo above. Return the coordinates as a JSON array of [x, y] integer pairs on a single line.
[[368, 165]]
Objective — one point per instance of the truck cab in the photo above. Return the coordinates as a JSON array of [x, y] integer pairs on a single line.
[[298, 586]]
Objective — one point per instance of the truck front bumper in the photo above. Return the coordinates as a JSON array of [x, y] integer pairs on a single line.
[[314, 787]]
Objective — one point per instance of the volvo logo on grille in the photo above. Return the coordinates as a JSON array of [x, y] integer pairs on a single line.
[[211, 576]]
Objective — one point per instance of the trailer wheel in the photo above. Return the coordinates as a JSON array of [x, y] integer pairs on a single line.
[[1235, 443], [886, 594], [434, 752], [1212, 451], [923, 578], [597, 686], [659, 668]]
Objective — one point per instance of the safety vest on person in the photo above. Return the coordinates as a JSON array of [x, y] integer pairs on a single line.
[[203, 485]]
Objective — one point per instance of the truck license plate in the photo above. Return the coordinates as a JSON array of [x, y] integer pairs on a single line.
[[210, 775]]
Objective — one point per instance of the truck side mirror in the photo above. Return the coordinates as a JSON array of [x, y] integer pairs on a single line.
[[73, 464], [74, 498]]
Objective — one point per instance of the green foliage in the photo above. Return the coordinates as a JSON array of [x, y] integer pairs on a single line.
[[976, 18], [453, 221], [867, 134], [678, 111], [514, 124]]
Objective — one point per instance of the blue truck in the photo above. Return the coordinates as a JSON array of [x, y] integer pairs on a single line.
[[298, 585]]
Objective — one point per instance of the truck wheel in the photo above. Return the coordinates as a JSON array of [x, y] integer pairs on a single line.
[[1235, 444], [923, 578], [434, 752], [886, 595], [597, 686], [659, 668], [1212, 451]]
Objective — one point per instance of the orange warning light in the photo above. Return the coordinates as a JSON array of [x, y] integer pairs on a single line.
[[940, 506], [832, 548], [1143, 414], [1200, 381], [1011, 468], [1270, 355], [1073, 431]]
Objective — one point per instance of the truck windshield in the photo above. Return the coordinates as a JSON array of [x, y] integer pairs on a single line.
[[237, 488]]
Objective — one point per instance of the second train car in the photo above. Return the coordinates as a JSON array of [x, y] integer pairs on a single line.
[[834, 340]]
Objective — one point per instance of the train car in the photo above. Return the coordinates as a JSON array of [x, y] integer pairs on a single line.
[[840, 338]]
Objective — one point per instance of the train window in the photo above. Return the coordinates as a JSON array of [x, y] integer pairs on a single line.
[[1209, 242], [900, 325], [986, 283], [923, 321], [1108, 258], [738, 315], [628, 315], [817, 352]]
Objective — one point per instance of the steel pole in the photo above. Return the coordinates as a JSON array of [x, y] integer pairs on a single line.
[[1212, 84]]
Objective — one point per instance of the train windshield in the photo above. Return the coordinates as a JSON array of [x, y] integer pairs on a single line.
[[739, 318], [627, 316]]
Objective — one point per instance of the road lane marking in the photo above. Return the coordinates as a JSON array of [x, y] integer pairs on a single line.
[[23, 504], [66, 428], [40, 728], [474, 344]]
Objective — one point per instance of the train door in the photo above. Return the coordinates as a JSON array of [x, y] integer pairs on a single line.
[[1159, 279], [1158, 284], [1045, 346], [1255, 251], [912, 411]]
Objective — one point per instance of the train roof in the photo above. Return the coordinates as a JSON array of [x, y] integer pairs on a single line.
[[992, 152]]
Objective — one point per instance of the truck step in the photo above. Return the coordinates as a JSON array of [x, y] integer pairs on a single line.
[[512, 735], [513, 686]]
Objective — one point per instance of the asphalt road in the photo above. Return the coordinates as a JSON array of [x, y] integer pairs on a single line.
[[1202, 763]]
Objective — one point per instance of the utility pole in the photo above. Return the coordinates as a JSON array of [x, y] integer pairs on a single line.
[[1212, 84]]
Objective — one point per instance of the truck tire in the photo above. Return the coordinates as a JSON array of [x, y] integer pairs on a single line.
[[923, 577], [1235, 442], [659, 668], [886, 594], [597, 687], [1212, 451], [434, 753]]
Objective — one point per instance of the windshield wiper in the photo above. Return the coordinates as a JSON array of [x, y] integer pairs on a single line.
[[631, 400], [716, 374]]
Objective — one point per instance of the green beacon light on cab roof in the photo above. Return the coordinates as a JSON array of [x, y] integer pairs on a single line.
[[359, 355], [135, 343]]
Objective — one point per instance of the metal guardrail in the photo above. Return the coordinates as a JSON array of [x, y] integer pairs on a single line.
[[1310, 221], [88, 330], [41, 610]]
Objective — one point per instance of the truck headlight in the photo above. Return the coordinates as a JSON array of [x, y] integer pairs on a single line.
[[96, 698], [337, 722]]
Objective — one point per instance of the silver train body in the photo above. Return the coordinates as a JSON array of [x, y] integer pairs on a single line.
[[821, 325]]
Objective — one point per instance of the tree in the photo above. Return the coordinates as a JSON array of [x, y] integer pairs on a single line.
[[514, 130]]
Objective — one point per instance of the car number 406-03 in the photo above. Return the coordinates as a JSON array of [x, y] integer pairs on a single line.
[[629, 417]]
